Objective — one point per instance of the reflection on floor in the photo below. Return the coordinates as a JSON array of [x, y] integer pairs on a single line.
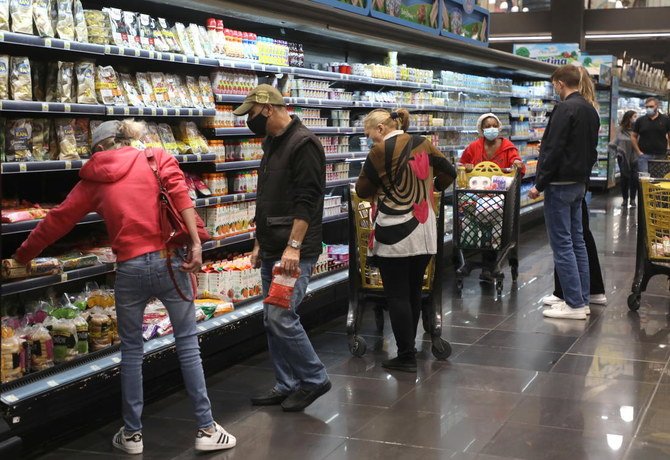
[[516, 386]]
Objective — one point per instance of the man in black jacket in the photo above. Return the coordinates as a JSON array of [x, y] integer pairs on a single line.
[[567, 155], [289, 210]]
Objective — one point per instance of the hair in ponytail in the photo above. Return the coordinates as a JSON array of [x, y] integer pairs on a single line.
[[586, 87], [398, 119]]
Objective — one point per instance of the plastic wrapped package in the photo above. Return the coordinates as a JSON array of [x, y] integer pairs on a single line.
[[107, 86], [4, 14], [129, 85], [40, 139], [4, 76], [99, 331], [85, 71], [64, 335], [21, 13], [51, 88], [152, 138], [80, 29], [167, 138], [65, 25], [193, 34], [206, 94], [183, 91], [67, 142], [207, 45], [160, 89], [168, 37], [42, 18], [147, 39], [104, 254], [97, 27], [281, 288], [41, 348], [10, 356], [82, 335], [20, 79], [19, 137], [146, 89], [172, 83], [99, 297], [193, 87], [190, 134], [65, 88], [132, 23], [182, 38], [75, 260]]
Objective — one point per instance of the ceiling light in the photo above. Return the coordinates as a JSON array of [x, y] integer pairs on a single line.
[[630, 35], [521, 38], [515, 9]]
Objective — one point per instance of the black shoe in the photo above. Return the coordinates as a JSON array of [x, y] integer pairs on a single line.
[[271, 398], [632, 203], [400, 364], [302, 398], [624, 204]]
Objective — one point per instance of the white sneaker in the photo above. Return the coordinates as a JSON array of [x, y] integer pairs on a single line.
[[219, 439], [551, 300], [587, 310], [598, 299], [563, 311], [129, 443]]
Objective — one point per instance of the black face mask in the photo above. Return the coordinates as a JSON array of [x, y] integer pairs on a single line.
[[258, 124]]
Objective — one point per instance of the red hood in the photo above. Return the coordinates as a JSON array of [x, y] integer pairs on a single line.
[[109, 165]]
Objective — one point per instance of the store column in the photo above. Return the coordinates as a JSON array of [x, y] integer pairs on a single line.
[[567, 22]]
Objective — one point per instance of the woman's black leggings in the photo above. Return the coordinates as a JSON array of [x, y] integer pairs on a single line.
[[403, 279]]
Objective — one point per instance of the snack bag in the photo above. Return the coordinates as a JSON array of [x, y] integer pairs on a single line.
[[20, 79], [38, 71], [4, 76], [85, 71], [205, 86], [21, 12], [97, 27], [129, 85], [132, 23], [42, 18], [10, 359], [179, 30], [193, 87], [40, 139], [168, 37], [281, 288], [160, 89], [65, 24], [81, 137], [19, 140], [65, 82], [67, 142], [41, 348], [107, 86], [80, 29], [4, 14], [147, 39], [146, 89]]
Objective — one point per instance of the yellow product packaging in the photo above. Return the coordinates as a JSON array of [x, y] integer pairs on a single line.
[[193, 87], [85, 71], [146, 89], [107, 86], [21, 12], [206, 93], [160, 89]]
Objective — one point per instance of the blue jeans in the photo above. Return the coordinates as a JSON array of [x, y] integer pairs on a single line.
[[293, 357], [138, 280], [563, 218], [643, 161]]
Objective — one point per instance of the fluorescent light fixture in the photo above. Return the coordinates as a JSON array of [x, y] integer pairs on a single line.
[[521, 38], [630, 35]]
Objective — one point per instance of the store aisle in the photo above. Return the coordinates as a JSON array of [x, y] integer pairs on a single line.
[[517, 385]]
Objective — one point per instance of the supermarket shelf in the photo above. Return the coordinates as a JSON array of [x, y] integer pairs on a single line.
[[196, 158], [225, 199], [41, 166], [237, 165], [340, 182], [640, 91], [95, 109], [541, 109], [223, 242], [528, 208], [538, 125], [224, 132], [448, 148], [346, 156], [30, 284], [28, 225], [297, 101], [598, 179], [336, 218]]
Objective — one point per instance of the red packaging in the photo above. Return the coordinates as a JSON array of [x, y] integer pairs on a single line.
[[281, 288]]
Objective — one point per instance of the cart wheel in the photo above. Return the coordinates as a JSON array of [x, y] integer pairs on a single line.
[[634, 302], [441, 349], [357, 346]]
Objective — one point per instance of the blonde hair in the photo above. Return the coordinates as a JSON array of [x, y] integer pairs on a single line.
[[129, 131], [398, 119], [586, 87]]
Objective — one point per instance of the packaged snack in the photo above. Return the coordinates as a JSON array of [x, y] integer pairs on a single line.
[[85, 71], [174, 95], [82, 139], [194, 92], [281, 288], [52, 81], [190, 135], [97, 26], [76, 260], [160, 89], [20, 81], [19, 140], [44, 266], [167, 138], [99, 331], [65, 84], [67, 143], [42, 18], [4, 76], [183, 92], [107, 86], [41, 349], [151, 138], [168, 37], [207, 46], [82, 334], [104, 255], [146, 89], [64, 335], [147, 39], [118, 28], [130, 88], [65, 25], [111, 312], [4, 14], [132, 22], [10, 362], [205, 86], [21, 12], [182, 38], [40, 139], [80, 30], [193, 34], [38, 71]]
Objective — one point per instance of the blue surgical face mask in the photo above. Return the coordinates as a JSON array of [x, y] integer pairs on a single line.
[[650, 112], [491, 133]]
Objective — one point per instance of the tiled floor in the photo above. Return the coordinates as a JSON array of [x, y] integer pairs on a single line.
[[516, 386]]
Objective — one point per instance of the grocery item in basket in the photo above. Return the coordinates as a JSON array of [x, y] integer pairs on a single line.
[[281, 288], [4, 76], [67, 142], [41, 348], [129, 85], [206, 93], [20, 79], [479, 183], [180, 34], [194, 92], [10, 356], [80, 29], [4, 14], [146, 89], [21, 12], [65, 24], [42, 18], [40, 140], [64, 335], [99, 331], [85, 71], [167, 138], [38, 71], [107, 86], [19, 140], [65, 89], [160, 89]]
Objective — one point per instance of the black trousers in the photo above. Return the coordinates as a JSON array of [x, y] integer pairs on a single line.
[[596, 275], [403, 278], [629, 180]]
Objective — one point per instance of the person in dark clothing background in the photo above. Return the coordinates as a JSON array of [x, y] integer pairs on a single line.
[[627, 158], [651, 134], [289, 212], [567, 155]]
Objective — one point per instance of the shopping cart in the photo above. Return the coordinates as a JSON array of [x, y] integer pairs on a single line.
[[653, 235], [486, 220], [365, 286], [658, 168]]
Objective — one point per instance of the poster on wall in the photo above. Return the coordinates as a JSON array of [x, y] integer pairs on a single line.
[[593, 63], [463, 20], [552, 53], [418, 14], [355, 6]]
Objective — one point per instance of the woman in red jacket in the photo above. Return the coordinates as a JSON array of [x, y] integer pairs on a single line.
[[118, 183], [491, 147]]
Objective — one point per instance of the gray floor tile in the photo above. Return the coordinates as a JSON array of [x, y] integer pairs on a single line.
[[610, 367]]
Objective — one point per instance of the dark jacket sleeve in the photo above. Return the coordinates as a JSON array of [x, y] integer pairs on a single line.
[[309, 173], [552, 149]]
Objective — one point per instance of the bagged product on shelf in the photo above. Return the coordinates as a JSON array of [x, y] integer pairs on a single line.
[[172, 83], [131, 21], [119, 29], [183, 92], [180, 34], [65, 25], [190, 134], [20, 79], [193, 34], [129, 85], [147, 39], [152, 138], [82, 334], [10, 362], [85, 71], [64, 335], [21, 12], [99, 297], [19, 138], [40, 139], [4, 76], [67, 143], [97, 27], [82, 137], [116, 339], [107, 86], [193, 87], [42, 18], [80, 29], [168, 39], [38, 72], [44, 266], [4, 14], [206, 94], [51, 88], [146, 89], [99, 331], [65, 84], [167, 138], [207, 45], [41, 348], [75, 260], [160, 89], [104, 254]]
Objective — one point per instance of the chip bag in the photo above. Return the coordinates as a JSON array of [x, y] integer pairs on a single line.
[[282, 286]]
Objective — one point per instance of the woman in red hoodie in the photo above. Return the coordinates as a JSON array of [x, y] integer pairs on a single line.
[[491, 147], [118, 183]]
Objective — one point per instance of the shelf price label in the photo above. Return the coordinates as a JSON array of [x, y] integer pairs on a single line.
[[47, 42], [68, 164], [45, 107], [66, 44], [52, 383], [23, 167], [67, 108]]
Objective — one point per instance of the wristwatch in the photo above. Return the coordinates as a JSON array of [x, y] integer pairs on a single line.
[[295, 244]]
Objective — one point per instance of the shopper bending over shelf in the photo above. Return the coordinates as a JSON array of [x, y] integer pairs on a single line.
[[491, 146], [400, 174], [118, 183]]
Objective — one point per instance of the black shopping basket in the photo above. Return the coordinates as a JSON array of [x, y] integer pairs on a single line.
[[486, 220], [365, 284]]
